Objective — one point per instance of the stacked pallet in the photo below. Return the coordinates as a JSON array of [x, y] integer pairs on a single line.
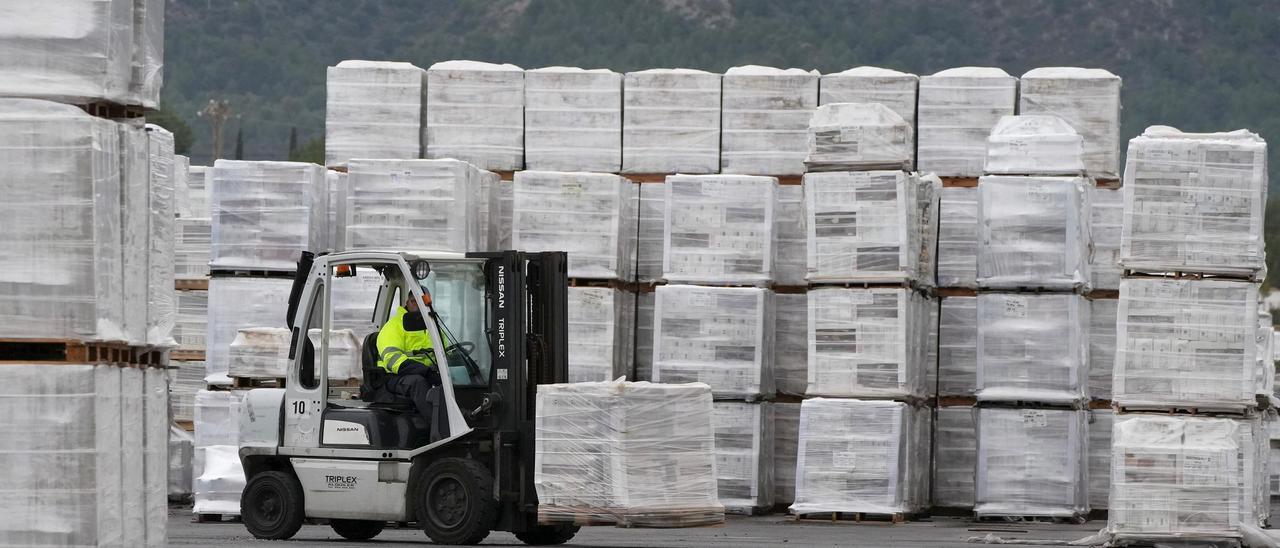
[[1187, 339], [475, 113], [373, 109], [765, 114]]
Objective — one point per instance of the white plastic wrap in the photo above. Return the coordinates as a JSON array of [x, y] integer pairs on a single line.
[[931, 347], [861, 456], [958, 346], [671, 121], [191, 247], [958, 107], [161, 305], [475, 113], [353, 300], [1186, 477], [199, 180], [601, 333], [135, 218], [133, 495], [786, 442], [217, 417], [155, 452], [791, 343], [1265, 368], [502, 200], [867, 342], [373, 109], [1106, 206], [1034, 145], [147, 66], [858, 136], [573, 119], [263, 352], [191, 323], [62, 453], [336, 233], [868, 226], [181, 454], [744, 454], [1102, 346], [789, 237], [219, 479], [489, 208], [1089, 100], [955, 449], [1031, 462], [638, 454], [719, 229], [1186, 343], [721, 336], [185, 379], [591, 216], [60, 233], [1101, 422], [1033, 233], [649, 247], [236, 303], [1032, 347], [1194, 202], [958, 238], [265, 214], [766, 114], [644, 336], [77, 51], [181, 188], [893, 89], [418, 205]]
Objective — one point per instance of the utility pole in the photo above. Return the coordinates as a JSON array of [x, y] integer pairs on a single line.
[[217, 111]]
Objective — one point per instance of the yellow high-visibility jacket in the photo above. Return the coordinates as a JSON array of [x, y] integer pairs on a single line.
[[396, 345]]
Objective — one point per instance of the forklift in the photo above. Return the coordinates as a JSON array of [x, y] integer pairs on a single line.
[[310, 455]]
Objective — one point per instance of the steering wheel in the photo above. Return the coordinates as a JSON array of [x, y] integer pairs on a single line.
[[464, 349]]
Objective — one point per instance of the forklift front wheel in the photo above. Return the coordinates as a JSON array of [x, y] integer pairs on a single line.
[[271, 506], [356, 529], [454, 501]]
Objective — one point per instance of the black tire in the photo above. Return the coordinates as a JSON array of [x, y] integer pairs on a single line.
[[453, 501], [357, 529], [271, 506], [545, 535]]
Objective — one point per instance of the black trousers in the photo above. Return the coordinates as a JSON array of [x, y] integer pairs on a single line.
[[425, 394]]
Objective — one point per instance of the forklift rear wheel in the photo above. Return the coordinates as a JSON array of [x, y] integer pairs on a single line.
[[357, 529], [271, 506], [454, 501], [544, 535]]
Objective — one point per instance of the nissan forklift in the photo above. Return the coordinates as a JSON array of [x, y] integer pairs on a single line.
[[311, 455]]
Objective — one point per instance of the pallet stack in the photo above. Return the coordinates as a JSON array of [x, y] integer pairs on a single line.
[[1187, 340], [87, 216]]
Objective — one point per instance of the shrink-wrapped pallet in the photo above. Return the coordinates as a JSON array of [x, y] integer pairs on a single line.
[[932, 305], [135, 219], [60, 223], [1106, 207], [373, 109], [263, 353], [786, 440], [1033, 233], [1031, 462], [955, 448], [957, 346], [265, 214], [489, 208], [861, 456], [146, 73], [718, 229], [1186, 343], [1193, 202], [236, 303], [1102, 346], [1089, 100], [868, 226], [219, 478], [417, 205], [199, 180], [181, 453], [644, 336], [765, 114], [1033, 145], [573, 119], [185, 379], [78, 51], [958, 238], [649, 234], [336, 220], [181, 188], [601, 333], [500, 205], [858, 136], [635, 454], [957, 110], [721, 336], [475, 113], [63, 455], [353, 300], [1185, 477], [789, 237], [155, 453], [867, 342], [744, 454], [161, 305], [592, 216], [191, 323], [1265, 369], [1032, 347], [791, 343], [191, 246], [671, 121], [217, 417], [1100, 425], [132, 466], [893, 89]]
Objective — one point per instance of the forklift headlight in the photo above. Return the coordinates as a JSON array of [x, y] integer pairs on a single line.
[[421, 269]]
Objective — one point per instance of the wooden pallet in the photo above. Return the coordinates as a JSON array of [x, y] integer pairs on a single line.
[[790, 289], [857, 284], [188, 426], [1103, 294], [248, 382], [998, 518], [662, 177], [66, 351], [956, 401], [193, 284], [1153, 409], [1181, 275], [1022, 404], [1107, 183], [612, 284], [249, 273], [339, 169], [110, 110], [854, 518], [186, 355], [956, 292], [959, 182], [1099, 404]]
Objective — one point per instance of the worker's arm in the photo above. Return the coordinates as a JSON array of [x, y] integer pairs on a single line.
[[397, 358]]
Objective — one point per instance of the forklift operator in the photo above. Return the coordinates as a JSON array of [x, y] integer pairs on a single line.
[[406, 354]]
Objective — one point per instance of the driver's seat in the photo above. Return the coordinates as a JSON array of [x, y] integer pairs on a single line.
[[374, 377]]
